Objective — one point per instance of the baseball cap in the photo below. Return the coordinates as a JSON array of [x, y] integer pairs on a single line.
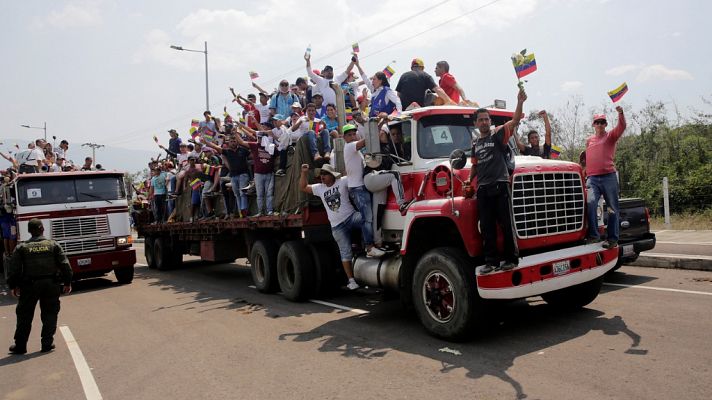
[[172, 131], [296, 104], [278, 117], [330, 170], [317, 94], [417, 62], [347, 127], [327, 68], [598, 117]]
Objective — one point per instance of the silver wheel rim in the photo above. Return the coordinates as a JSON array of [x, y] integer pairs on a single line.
[[438, 297]]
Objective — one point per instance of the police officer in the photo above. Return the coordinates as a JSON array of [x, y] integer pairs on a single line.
[[37, 267]]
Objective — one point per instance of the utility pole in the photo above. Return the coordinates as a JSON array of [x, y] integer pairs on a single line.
[[93, 146]]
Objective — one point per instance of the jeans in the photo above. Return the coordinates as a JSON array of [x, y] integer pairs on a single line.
[[342, 235], [362, 199], [239, 182], [171, 189], [606, 185], [324, 137], [493, 207], [159, 207], [264, 183]]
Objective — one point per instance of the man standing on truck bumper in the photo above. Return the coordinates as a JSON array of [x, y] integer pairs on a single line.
[[37, 267], [601, 176], [490, 167]]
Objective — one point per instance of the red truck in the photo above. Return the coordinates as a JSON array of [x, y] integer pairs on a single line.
[[436, 265]]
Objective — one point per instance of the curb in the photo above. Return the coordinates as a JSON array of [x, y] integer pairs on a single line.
[[674, 261]]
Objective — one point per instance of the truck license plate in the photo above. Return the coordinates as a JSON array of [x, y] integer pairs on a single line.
[[628, 250], [83, 262], [561, 267]]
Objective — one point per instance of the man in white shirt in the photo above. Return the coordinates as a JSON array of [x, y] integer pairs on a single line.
[[30, 160], [327, 76], [361, 198], [333, 192]]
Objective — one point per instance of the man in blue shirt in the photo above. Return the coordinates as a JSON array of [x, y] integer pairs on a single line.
[[282, 101]]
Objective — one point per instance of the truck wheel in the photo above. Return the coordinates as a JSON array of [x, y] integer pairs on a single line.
[[162, 254], [263, 265], [148, 251], [445, 294], [574, 297], [328, 273], [124, 275], [295, 271]]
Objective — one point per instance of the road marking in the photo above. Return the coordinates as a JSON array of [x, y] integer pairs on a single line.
[[333, 305], [658, 288], [669, 255], [340, 307], [91, 390], [686, 243]]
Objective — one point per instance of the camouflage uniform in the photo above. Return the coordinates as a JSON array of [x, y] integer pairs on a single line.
[[38, 267]]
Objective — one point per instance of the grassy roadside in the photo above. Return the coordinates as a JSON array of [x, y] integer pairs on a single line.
[[691, 221]]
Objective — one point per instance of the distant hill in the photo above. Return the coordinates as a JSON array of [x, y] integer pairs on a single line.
[[128, 160]]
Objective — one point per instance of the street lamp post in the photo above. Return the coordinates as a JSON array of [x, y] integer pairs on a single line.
[[44, 128], [207, 97]]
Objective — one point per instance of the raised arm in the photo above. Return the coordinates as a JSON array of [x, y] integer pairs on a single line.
[[547, 127], [617, 132], [521, 98], [303, 180], [213, 146], [519, 143], [256, 86]]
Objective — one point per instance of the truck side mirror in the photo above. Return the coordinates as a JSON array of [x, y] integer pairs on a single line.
[[458, 159]]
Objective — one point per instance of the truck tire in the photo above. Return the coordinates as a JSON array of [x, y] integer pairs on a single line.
[[328, 273], [162, 254], [148, 251], [445, 294], [124, 275], [574, 297], [295, 271], [263, 265]]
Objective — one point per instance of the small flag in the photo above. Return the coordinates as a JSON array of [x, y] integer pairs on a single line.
[[555, 151], [617, 93], [389, 71], [254, 75], [155, 138], [195, 184], [524, 64], [355, 47]]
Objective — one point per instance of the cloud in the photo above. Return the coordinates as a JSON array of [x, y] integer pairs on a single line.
[[570, 86], [623, 69], [659, 72], [251, 38], [72, 15]]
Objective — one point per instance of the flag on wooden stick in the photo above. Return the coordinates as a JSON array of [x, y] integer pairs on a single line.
[[617, 93], [524, 64]]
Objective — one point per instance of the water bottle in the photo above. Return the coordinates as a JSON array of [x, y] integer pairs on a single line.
[[308, 52]]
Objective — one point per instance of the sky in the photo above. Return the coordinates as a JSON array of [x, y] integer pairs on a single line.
[[102, 71]]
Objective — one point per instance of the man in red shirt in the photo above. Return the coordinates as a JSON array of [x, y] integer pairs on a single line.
[[602, 179], [448, 82]]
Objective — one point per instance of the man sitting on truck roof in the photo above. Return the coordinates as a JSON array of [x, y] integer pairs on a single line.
[[343, 218]]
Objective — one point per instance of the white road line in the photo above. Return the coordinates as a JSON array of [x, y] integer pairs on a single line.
[[686, 243], [340, 307], [659, 288], [91, 390], [333, 305], [670, 255]]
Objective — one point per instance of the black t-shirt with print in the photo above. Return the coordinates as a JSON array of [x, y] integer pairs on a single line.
[[537, 151], [489, 152]]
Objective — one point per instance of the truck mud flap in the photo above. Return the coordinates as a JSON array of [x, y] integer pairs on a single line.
[[547, 272]]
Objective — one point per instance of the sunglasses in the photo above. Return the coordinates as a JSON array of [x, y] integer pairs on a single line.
[[600, 122]]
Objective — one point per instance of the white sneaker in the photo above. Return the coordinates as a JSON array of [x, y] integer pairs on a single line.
[[375, 252], [352, 285]]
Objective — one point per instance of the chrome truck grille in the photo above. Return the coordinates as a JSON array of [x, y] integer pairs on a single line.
[[547, 203], [82, 234], [80, 227]]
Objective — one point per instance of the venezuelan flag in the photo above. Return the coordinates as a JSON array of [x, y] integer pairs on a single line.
[[195, 184], [355, 47], [555, 151], [389, 71], [524, 65], [254, 75], [617, 93]]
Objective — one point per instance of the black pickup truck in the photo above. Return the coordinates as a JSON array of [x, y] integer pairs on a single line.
[[635, 235]]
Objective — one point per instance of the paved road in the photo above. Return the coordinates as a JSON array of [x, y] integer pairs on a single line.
[[684, 242], [202, 333]]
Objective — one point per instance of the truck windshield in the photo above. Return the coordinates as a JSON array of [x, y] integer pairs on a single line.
[[35, 192], [439, 135]]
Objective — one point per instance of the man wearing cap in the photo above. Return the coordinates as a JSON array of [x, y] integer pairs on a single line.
[[359, 195], [334, 194], [174, 142], [37, 268], [315, 129], [263, 108], [319, 105], [323, 82], [413, 84], [282, 101], [602, 179]]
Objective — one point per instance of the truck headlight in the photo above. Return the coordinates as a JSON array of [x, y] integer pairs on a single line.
[[124, 240]]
